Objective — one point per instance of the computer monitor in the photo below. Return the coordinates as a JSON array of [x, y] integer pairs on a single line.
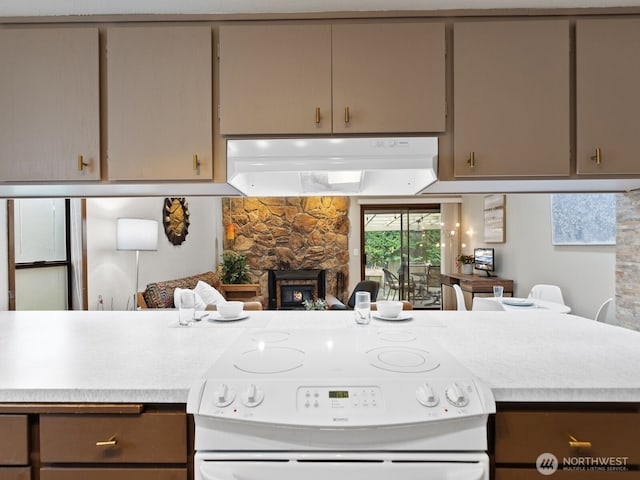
[[484, 259]]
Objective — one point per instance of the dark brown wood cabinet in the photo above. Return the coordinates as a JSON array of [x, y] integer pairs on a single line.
[[97, 441], [154, 438], [576, 435], [14, 447]]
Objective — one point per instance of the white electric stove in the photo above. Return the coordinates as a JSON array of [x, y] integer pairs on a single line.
[[294, 402]]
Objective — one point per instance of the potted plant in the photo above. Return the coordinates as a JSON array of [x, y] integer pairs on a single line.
[[234, 268], [316, 304], [465, 263]]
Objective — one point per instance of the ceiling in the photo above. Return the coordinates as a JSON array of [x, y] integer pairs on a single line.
[[13, 8]]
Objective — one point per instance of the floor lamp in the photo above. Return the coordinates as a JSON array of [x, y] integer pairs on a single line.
[[136, 234]]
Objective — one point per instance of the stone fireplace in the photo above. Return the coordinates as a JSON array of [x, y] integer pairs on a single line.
[[289, 288], [290, 234]]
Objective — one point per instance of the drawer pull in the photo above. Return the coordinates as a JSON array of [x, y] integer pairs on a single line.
[[112, 442], [574, 442]]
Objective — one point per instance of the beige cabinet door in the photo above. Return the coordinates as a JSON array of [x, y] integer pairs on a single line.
[[607, 96], [49, 104], [159, 92], [390, 77], [511, 92], [275, 79]]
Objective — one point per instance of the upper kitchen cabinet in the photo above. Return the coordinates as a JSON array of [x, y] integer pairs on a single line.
[[340, 78], [388, 77], [49, 104], [511, 91], [607, 96], [159, 97], [275, 79]]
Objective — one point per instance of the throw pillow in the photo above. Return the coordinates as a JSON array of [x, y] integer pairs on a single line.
[[177, 298], [209, 295]]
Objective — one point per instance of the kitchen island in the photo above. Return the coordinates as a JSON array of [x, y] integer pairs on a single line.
[[143, 356], [88, 379]]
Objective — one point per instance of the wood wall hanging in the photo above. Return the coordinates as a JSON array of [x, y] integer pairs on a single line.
[[175, 218]]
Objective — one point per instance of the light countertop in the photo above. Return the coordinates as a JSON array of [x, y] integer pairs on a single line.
[[143, 356]]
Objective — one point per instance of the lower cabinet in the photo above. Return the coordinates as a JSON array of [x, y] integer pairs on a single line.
[[15, 473], [97, 441], [588, 444], [112, 473], [153, 438], [14, 447]]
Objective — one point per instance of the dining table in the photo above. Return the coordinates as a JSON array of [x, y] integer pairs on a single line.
[[520, 304]]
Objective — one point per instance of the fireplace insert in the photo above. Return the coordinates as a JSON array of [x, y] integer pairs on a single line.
[[289, 288]]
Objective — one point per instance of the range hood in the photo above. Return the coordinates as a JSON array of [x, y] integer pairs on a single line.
[[332, 166]]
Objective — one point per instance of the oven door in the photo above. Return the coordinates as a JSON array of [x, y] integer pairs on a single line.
[[341, 466]]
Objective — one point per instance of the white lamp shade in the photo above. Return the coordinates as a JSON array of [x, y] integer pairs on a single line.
[[136, 234]]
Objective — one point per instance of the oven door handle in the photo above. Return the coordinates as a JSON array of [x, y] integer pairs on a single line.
[[336, 470]]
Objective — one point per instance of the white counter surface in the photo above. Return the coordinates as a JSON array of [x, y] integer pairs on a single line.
[[143, 356]]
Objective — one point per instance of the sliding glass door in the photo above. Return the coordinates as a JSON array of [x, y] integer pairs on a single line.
[[402, 250]]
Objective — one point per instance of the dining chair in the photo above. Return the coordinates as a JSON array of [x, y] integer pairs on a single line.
[[550, 293], [391, 284], [459, 298], [486, 304], [370, 286], [603, 310]]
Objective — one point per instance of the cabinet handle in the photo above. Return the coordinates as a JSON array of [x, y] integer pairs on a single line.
[[82, 163], [318, 115], [112, 442], [574, 442], [597, 157], [471, 161], [346, 115], [196, 162]]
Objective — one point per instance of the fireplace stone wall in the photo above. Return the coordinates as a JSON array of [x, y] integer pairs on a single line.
[[290, 233]]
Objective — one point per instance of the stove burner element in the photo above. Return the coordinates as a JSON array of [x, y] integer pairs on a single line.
[[396, 336], [270, 336], [402, 359], [270, 360]]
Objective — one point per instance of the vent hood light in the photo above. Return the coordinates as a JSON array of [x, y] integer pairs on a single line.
[[325, 166]]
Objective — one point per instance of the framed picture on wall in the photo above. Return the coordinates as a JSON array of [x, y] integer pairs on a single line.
[[583, 219], [494, 219]]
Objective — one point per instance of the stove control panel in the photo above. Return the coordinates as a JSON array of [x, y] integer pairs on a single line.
[[337, 399], [391, 401]]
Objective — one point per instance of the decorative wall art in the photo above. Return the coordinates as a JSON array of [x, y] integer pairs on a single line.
[[494, 219], [583, 219], [175, 218]]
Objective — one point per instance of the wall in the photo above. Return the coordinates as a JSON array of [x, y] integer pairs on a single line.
[[291, 233], [111, 273], [586, 274], [4, 266], [628, 260]]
